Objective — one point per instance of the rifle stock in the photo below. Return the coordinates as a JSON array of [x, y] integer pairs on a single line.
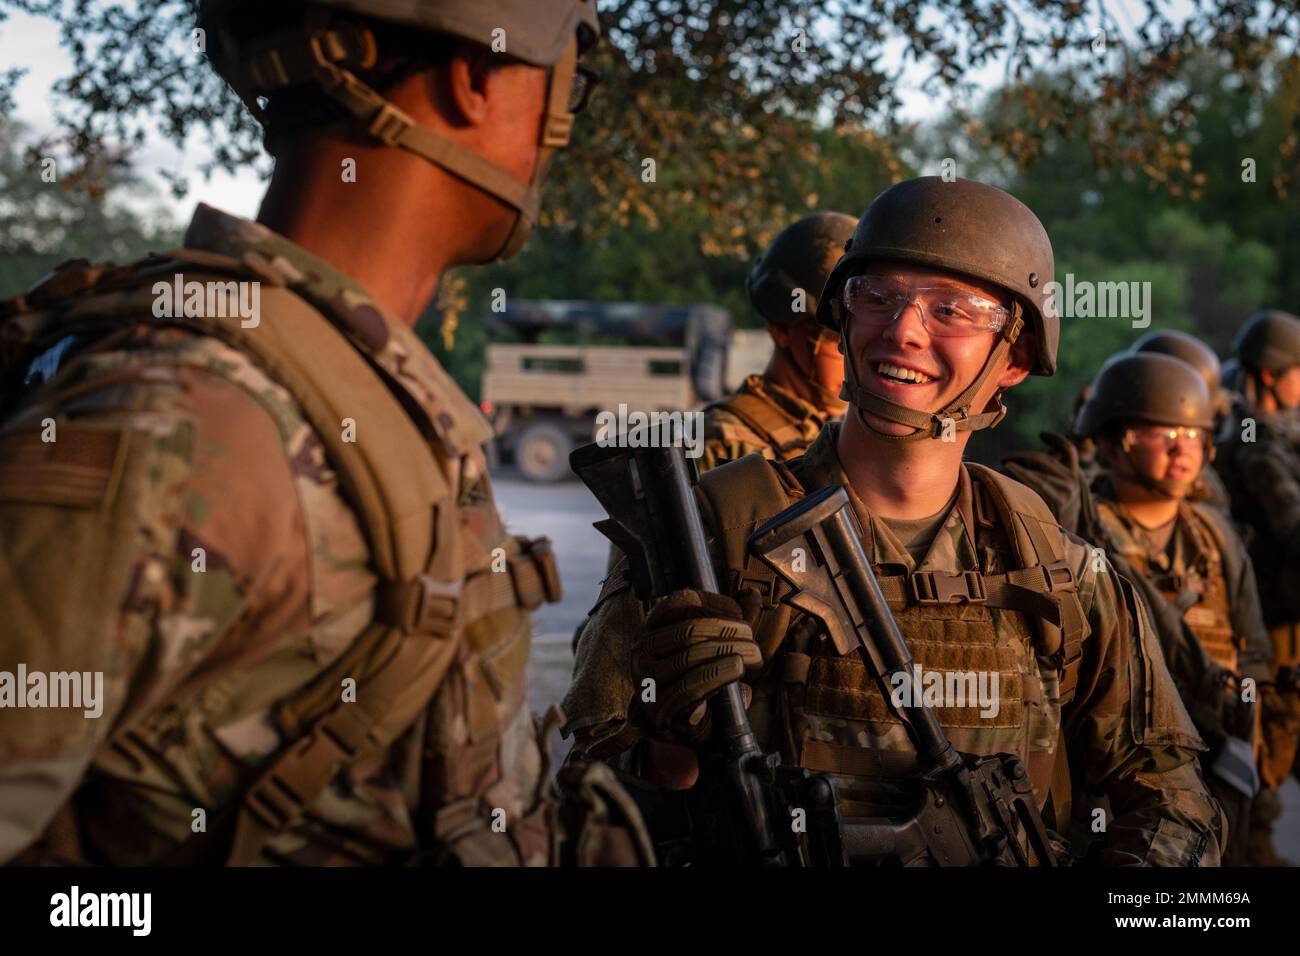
[[654, 519]]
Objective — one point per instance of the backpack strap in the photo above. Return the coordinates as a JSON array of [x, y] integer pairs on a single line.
[[1044, 586], [736, 498], [784, 437]]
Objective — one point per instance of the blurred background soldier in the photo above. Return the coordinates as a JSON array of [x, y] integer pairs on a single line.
[[1259, 460], [1150, 416], [1209, 486], [780, 412], [274, 533]]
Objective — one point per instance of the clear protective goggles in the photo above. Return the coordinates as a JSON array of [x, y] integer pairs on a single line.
[[945, 312], [1166, 437]]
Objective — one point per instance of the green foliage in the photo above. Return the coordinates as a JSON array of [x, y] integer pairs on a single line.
[[80, 214]]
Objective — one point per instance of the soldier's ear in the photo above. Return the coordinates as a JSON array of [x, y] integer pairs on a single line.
[[464, 86], [1020, 360]]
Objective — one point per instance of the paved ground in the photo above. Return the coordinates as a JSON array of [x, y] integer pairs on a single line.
[[564, 512]]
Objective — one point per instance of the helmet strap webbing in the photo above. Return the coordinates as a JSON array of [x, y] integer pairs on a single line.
[[332, 46], [927, 425]]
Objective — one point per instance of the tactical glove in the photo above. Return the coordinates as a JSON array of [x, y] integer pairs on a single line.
[[692, 645]]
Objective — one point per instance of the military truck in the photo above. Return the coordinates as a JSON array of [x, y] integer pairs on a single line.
[[553, 366]]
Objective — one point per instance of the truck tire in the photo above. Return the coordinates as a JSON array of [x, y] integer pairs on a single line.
[[542, 452]]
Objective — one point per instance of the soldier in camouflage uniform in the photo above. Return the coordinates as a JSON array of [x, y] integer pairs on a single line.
[[1151, 417], [1062, 472], [939, 301], [271, 529], [1259, 460], [780, 412]]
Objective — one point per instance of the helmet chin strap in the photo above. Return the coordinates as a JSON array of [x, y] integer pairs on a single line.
[[927, 425], [332, 46]]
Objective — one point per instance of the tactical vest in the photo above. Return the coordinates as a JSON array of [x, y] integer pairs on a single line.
[[1018, 616], [786, 438], [437, 595], [1201, 593]]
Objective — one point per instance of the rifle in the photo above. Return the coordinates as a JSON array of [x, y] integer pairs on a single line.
[[974, 810], [746, 807]]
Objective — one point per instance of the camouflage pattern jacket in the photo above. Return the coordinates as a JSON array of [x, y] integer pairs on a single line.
[[186, 537], [1125, 731], [760, 416]]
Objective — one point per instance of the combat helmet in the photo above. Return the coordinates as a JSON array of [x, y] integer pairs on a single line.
[[799, 258], [1147, 387], [1269, 341], [1195, 353], [1188, 348], [968, 228], [332, 40]]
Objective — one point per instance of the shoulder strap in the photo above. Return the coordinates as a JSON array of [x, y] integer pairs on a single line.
[[1215, 534], [738, 497], [1044, 585], [780, 433], [391, 475]]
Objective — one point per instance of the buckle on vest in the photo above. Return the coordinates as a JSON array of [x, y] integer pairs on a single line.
[[940, 587], [280, 796], [558, 130], [1057, 576], [430, 607], [535, 575]]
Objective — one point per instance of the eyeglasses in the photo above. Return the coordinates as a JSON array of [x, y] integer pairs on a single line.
[[1165, 437], [945, 312], [585, 79]]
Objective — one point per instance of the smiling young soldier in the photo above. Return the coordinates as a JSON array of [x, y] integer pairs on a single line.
[[780, 412], [938, 299], [1151, 417], [278, 538]]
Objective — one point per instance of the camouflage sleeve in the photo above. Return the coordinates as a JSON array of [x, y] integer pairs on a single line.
[[1128, 731], [119, 571], [727, 438]]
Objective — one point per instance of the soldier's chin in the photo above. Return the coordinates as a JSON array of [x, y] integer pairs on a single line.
[[885, 427], [1175, 490]]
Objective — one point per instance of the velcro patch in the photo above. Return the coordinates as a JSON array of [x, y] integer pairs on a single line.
[[78, 469]]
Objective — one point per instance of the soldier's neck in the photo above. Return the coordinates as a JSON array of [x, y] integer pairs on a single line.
[[394, 227], [1143, 505], [905, 480], [783, 372]]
